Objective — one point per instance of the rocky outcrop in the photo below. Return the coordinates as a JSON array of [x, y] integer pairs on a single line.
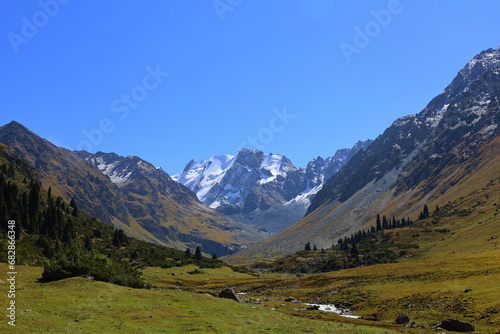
[[456, 326], [402, 319], [230, 294]]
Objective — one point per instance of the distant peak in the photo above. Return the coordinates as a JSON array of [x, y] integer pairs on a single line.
[[14, 128], [14, 124], [249, 151]]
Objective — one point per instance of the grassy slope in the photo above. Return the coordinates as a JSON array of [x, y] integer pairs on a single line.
[[428, 291], [458, 182], [77, 305]]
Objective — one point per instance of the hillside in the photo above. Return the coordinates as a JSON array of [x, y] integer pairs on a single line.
[[159, 211], [444, 153], [56, 235]]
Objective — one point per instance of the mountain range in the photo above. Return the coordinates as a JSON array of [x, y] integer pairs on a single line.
[[446, 152], [233, 203], [129, 193], [265, 190]]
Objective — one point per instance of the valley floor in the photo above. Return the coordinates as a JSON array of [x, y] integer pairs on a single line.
[[428, 291]]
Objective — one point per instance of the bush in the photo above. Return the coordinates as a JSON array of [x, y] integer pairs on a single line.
[[75, 260], [196, 271]]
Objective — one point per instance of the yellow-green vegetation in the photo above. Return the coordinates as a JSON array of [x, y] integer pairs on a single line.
[[77, 305], [460, 287]]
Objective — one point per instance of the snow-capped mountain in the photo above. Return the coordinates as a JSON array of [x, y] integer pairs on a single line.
[[266, 190], [167, 209], [444, 153]]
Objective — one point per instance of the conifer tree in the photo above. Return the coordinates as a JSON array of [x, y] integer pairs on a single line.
[[379, 223], [354, 249], [74, 212], [426, 211], [197, 253], [385, 224]]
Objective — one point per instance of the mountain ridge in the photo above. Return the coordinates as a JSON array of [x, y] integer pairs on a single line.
[[419, 159], [265, 190], [144, 207]]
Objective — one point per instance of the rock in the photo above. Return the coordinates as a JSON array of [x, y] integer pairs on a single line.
[[456, 326], [402, 319], [289, 299], [412, 324], [467, 290], [312, 308], [230, 294]]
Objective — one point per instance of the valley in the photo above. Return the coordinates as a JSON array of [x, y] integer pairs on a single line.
[[401, 227]]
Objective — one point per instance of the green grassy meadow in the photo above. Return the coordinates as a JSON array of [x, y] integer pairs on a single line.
[[77, 305], [428, 291]]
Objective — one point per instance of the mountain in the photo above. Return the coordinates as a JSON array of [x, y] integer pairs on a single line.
[[446, 152], [145, 202], [67, 242], [265, 190]]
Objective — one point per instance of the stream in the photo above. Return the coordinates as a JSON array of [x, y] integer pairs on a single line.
[[331, 308]]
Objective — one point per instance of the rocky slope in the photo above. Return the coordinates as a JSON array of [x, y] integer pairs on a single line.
[[446, 151]]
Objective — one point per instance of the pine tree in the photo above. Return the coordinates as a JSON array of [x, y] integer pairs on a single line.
[[97, 233], [187, 253], [354, 249], [379, 223], [116, 239], [197, 253], [385, 224], [49, 196], [307, 246], [426, 211], [88, 243], [74, 212], [33, 201], [315, 248]]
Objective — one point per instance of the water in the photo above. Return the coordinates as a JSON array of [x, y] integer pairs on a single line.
[[331, 308]]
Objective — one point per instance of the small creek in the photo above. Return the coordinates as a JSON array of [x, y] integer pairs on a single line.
[[331, 308]]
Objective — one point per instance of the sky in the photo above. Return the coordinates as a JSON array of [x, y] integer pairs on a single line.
[[170, 81]]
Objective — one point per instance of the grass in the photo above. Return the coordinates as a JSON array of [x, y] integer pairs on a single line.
[[428, 291], [77, 305]]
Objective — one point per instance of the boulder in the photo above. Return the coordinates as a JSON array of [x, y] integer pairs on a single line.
[[411, 324], [230, 294], [312, 308], [456, 326], [402, 319]]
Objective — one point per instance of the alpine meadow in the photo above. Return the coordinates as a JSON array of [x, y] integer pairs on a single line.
[[250, 167]]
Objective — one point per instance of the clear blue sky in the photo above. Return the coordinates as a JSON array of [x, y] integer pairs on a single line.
[[101, 67]]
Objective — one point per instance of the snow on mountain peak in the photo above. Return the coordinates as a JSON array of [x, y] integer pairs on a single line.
[[201, 176]]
